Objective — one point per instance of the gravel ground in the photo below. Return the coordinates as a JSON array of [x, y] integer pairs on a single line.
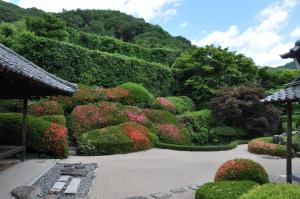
[[52, 176]]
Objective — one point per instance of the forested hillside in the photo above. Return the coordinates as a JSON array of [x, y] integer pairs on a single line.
[[108, 48]]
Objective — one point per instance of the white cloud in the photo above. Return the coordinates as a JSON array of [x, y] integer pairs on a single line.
[[295, 33], [9, 1], [184, 24], [169, 13], [262, 41], [147, 9]]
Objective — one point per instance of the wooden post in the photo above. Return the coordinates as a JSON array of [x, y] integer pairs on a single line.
[[289, 143], [24, 126]]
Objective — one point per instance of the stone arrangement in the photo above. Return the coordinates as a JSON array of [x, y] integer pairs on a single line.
[[63, 181]]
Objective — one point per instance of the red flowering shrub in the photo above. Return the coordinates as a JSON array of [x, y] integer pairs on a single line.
[[93, 116], [173, 134], [263, 146], [46, 107], [164, 104], [242, 169], [116, 93], [85, 95], [42, 136], [124, 138]]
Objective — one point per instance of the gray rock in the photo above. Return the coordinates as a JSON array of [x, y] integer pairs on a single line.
[[296, 177], [51, 196], [278, 139], [73, 186], [194, 186], [179, 190], [74, 172], [57, 187], [26, 192], [160, 195], [137, 197]]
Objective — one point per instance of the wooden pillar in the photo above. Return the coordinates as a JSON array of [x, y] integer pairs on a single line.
[[289, 143], [24, 126]]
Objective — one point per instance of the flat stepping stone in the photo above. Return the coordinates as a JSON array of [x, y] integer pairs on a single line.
[[26, 192], [63, 178], [57, 187], [137, 197], [51, 196], [160, 195], [179, 190], [194, 186], [296, 177], [73, 186], [74, 172]]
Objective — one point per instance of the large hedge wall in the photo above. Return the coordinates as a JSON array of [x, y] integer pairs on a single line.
[[112, 45], [77, 64]]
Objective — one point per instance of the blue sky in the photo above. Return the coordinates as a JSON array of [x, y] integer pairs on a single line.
[[261, 29]]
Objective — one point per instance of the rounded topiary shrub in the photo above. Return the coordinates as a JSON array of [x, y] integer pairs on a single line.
[[161, 116], [224, 189], [93, 116], [42, 136], [84, 95], [242, 169], [263, 146], [274, 191], [58, 119], [123, 138], [173, 134], [138, 95], [182, 103], [164, 104], [46, 107]]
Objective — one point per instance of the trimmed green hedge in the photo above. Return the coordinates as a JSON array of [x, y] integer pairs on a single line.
[[224, 189], [77, 64], [58, 119], [10, 105], [273, 191], [112, 45], [182, 103], [229, 146]]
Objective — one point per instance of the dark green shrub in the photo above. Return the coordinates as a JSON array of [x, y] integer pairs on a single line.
[[45, 107], [77, 64], [273, 191], [182, 103], [225, 131], [161, 116], [124, 138], [58, 119], [11, 105], [242, 169], [42, 136], [224, 189]]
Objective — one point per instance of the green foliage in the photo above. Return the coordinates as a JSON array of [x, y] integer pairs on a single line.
[[138, 95], [45, 107], [124, 138], [242, 169], [225, 131], [199, 124], [77, 64], [241, 107], [224, 190], [47, 25], [161, 117], [10, 105], [42, 136], [201, 73], [229, 146], [112, 45], [182, 103], [273, 191], [58, 119]]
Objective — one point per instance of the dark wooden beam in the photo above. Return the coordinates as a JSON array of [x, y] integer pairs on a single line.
[[289, 143], [24, 127]]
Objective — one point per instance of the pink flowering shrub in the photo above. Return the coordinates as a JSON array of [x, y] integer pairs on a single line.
[[173, 134], [242, 169], [45, 107], [164, 104]]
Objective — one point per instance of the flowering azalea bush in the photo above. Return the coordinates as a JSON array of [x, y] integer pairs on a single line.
[[116, 93], [164, 104], [242, 169], [42, 136], [123, 138], [182, 103], [46, 107], [84, 95], [173, 134], [263, 146], [161, 116]]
